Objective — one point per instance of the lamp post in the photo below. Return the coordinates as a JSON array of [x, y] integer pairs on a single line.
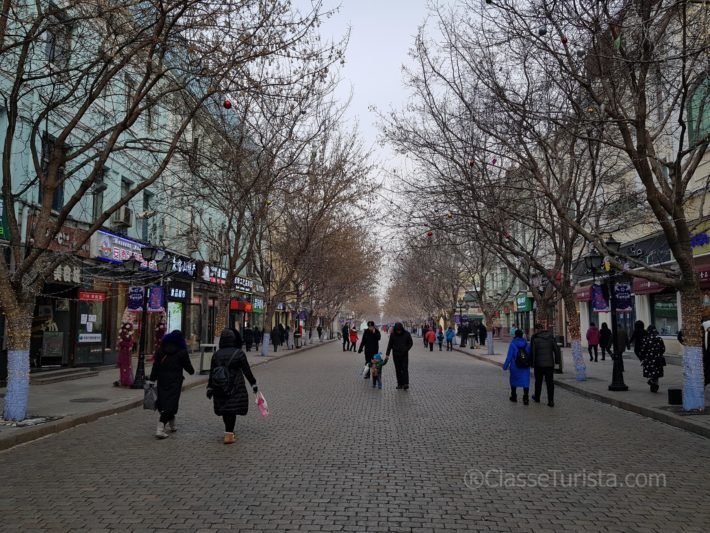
[[594, 263], [149, 254]]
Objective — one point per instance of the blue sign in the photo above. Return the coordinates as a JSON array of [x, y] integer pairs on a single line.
[[599, 303], [135, 298], [622, 297]]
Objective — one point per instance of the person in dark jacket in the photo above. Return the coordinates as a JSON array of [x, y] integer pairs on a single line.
[[276, 337], [652, 359], [236, 402], [399, 345], [544, 352], [463, 333], [370, 343], [171, 360], [345, 332], [637, 337], [257, 338], [482, 334], [605, 341], [248, 337]]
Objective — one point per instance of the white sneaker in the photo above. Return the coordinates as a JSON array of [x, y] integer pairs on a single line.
[[160, 431], [172, 425]]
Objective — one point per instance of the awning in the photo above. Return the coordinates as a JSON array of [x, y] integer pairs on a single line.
[[583, 294], [644, 286]]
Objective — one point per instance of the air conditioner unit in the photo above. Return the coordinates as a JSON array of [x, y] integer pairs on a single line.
[[123, 217]]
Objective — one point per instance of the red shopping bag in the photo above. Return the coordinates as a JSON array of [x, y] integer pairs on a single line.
[[261, 404]]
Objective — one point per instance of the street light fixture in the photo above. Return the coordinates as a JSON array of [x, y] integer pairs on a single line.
[[593, 262]]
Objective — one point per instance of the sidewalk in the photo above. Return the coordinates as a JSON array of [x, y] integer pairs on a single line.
[[84, 400], [637, 399]]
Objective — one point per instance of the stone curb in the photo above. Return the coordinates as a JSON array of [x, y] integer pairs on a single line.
[[57, 426], [666, 418]]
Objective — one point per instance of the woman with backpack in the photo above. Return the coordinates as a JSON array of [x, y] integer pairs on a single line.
[[518, 362], [171, 360], [226, 386]]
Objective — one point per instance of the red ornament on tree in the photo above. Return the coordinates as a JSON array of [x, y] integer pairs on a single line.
[[494, 161], [227, 104], [564, 39], [429, 233]]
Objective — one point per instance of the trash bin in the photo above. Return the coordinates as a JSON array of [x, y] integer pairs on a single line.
[[206, 351], [296, 340]]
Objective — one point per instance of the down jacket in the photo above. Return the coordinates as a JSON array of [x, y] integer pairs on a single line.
[[171, 360], [237, 403]]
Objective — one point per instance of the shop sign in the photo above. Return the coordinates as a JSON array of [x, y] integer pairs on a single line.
[[258, 288], [87, 296], [89, 337], [135, 298], [68, 274], [522, 303], [116, 249], [4, 227], [177, 293], [622, 297], [243, 284], [64, 240], [184, 266], [258, 303], [196, 300], [214, 274]]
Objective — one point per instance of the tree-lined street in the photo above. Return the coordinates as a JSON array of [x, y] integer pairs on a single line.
[[336, 455]]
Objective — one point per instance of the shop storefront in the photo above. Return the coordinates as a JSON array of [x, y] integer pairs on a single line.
[[91, 329], [523, 311]]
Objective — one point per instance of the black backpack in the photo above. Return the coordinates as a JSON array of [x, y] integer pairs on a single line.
[[221, 380], [522, 360]]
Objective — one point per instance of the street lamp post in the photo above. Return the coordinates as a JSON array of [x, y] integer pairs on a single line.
[[594, 263], [149, 254]]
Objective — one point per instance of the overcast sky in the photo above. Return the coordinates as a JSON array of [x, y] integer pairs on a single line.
[[382, 32]]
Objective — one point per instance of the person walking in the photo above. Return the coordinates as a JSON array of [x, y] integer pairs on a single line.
[[257, 338], [346, 338], [450, 337], [399, 345], [171, 360], [593, 341], [605, 341], [482, 334], [652, 358], [637, 337], [544, 351], [319, 330], [287, 337], [229, 396], [473, 335], [440, 338], [370, 343], [248, 337], [276, 337], [430, 339], [518, 356], [463, 333], [353, 338]]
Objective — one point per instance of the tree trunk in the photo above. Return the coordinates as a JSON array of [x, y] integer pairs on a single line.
[[222, 316], [693, 376], [19, 332], [489, 332], [575, 334]]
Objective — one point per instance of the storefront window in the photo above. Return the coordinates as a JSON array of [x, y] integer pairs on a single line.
[[664, 313], [91, 328]]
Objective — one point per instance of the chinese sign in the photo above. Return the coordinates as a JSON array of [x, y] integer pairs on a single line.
[[622, 297], [178, 294], [184, 266], [92, 296], [258, 303], [116, 249], [214, 274], [155, 300], [67, 274], [242, 284], [135, 298], [599, 303], [64, 241]]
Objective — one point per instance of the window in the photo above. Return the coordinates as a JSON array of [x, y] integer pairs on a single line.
[[145, 222], [699, 112], [98, 192], [664, 313], [125, 187], [58, 39], [48, 151]]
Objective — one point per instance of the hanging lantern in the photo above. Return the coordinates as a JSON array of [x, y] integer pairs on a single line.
[[227, 103]]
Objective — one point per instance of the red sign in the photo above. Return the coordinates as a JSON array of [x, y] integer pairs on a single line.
[[92, 296], [506, 309], [643, 286], [583, 294]]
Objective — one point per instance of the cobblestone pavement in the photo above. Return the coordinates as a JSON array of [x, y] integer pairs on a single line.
[[337, 455]]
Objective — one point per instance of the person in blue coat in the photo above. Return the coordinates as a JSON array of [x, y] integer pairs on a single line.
[[519, 377], [450, 336]]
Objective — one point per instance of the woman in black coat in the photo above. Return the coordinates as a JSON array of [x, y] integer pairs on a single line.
[[170, 362], [605, 341], [236, 402], [651, 355], [637, 337]]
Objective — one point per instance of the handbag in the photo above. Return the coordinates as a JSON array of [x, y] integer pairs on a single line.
[[150, 397], [261, 404], [366, 371]]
